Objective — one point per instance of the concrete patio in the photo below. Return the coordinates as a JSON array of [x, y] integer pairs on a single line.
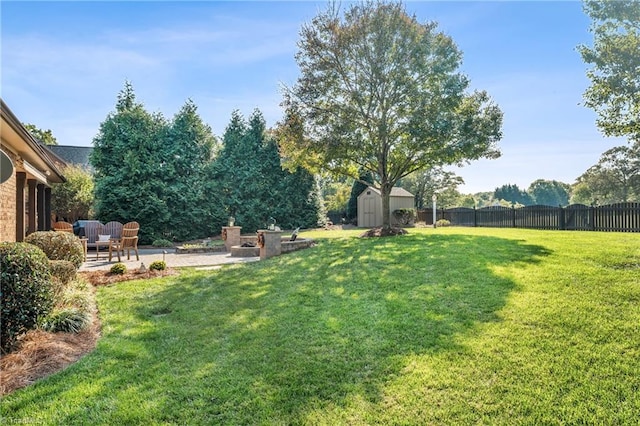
[[169, 255]]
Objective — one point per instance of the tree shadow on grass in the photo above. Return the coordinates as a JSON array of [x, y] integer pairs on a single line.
[[267, 342]]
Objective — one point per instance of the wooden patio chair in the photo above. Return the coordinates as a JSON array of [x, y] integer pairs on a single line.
[[128, 241], [62, 226], [91, 232], [113, 229]]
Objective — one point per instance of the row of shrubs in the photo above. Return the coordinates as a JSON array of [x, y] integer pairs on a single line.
[[121, 268], [40, 286]]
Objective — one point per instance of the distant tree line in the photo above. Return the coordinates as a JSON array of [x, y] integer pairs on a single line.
[[178, 182]]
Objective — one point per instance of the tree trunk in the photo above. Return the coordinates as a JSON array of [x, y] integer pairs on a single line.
[[385, 192]]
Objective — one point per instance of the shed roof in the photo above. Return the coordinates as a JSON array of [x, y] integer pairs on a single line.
[[396, 191]]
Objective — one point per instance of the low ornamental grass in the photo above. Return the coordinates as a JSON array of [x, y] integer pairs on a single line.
[[444, 326]]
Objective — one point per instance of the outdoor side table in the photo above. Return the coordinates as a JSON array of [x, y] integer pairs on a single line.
[[101, 244], [84, 242]]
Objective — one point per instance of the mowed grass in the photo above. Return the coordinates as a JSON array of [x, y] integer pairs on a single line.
[[445, 326]]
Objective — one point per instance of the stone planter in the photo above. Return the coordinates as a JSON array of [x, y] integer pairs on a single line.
[[231, 236]]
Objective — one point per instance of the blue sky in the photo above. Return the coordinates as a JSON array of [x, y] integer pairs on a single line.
[[63, 64]]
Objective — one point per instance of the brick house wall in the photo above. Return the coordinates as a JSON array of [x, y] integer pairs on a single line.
[[33, 174], [8, 205]]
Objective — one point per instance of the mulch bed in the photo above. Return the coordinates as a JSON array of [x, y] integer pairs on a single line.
[[383, 232], [41, 353], [106, 278]]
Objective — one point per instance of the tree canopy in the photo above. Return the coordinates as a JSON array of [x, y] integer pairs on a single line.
[[128, 162], [252, 186], [74, 198], [615, 179], [513, 194], [381, 92], [364, 180], [425, 183], [615, 58], [549, 192], [44, 136]]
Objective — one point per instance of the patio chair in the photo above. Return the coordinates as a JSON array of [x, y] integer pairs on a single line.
[[62, 226], [128, 241], [90, 232], [113, 229]]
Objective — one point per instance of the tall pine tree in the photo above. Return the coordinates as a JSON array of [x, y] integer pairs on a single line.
[[356, 190], [251, 183], [189, 146], [128, 158]]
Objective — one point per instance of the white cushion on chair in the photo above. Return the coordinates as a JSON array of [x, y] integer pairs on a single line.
[[104, 237]]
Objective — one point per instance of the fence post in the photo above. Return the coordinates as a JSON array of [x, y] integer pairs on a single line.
[[513, 216], [561, 219], [475, 217], [592, 217]]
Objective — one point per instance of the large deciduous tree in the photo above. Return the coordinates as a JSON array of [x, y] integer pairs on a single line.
[[381, 92], [44, 136], [616, 178], [425, 183], [73, 199], [549, 192], [615, 76]]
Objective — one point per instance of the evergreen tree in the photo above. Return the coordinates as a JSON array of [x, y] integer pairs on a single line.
[[357, 188], [188, 144], [251, 183], [128, 160], [235, 173], [513, 194]]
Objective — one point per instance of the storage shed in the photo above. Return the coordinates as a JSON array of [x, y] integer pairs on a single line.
[[370, 205]]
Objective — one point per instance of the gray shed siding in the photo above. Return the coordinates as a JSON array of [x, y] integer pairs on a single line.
[[370, 206]]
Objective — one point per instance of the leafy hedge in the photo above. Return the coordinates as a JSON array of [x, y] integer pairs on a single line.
[[58, 246], [158, 265], [404, 216], [62, 273], [26, 294], [118, 269]]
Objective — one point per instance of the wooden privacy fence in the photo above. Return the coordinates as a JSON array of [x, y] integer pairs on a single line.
[[621, 217]]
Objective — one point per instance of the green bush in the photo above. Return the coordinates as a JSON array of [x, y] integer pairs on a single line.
[[119, 268], [404, 216], [443, 222], [161, 242], [63, 272], [66, 320], [158, 265], [27, 294], [58, 246]]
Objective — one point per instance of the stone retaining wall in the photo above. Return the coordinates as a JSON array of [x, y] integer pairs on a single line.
[[214, 249], [287, 246]]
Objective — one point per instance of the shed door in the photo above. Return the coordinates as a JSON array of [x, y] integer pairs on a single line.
[[369, 216]]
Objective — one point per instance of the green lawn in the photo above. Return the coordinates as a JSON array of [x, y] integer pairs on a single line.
[[445, 326]]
